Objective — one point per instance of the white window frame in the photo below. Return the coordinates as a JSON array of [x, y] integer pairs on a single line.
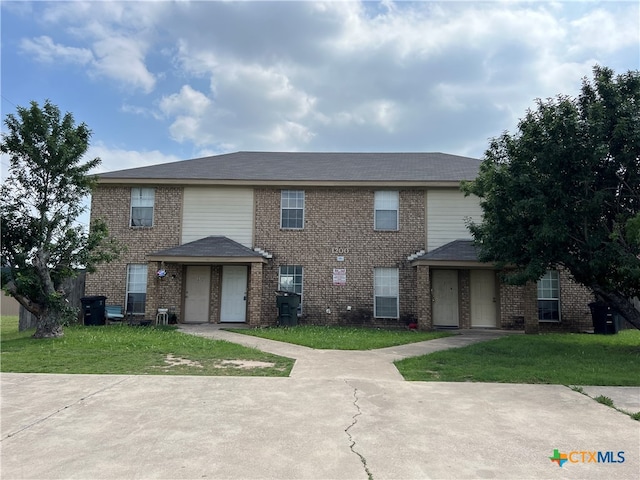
[[136, 284], [298, 287], [291, 200], [386, 201], [549, 291], [386, 285], [143, 198]]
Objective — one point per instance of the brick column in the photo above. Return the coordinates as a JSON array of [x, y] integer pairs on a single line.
[[464, 298], [530, 294], [254, 295], [423, 300]]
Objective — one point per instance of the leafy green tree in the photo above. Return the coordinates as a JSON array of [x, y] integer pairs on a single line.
[[41, 198], [564, 191]]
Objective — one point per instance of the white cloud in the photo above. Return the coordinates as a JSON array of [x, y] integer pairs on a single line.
[[188, 101], [119, 159], [115, 36], [337, 75], [246, 103], [45, 50], [122, 59], [287, 136], [188, 106], [395, 71], [604, 32], [116, 58]]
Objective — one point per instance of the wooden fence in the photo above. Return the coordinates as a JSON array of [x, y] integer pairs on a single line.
[[76, 288], [9, 306]]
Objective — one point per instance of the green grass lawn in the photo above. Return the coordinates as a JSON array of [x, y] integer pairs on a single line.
[[342, 338], [565, 359], [121, 349]]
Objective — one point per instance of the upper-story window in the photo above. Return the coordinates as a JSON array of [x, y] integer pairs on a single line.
[[292, 209], [386, 210], [142, 201], [549, 296]]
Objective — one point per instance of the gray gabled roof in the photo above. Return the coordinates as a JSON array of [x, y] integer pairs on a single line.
[[210, 249], [275, 167], [458, 250], [457, 254]]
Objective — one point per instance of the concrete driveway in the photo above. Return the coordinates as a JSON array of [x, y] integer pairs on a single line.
[[323, 426]]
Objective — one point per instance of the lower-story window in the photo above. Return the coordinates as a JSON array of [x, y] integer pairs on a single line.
[[136, 288], [549, 297], [290, 280], [386, 293]]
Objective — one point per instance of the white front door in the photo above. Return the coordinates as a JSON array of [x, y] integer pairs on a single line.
[[483, 298], [196, 294], [444, 298], [234, 294]]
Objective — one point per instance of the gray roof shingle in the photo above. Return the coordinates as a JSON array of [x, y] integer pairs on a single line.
[[456, 251], [307, 166], [213, 246]]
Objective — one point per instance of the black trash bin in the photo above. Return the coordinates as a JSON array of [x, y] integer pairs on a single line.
[[618, 321], [93, 310], [602, 315], [287, 303]]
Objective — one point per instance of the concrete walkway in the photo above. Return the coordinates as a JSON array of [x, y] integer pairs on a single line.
[[341, 415], [345, 364], [377, 365]]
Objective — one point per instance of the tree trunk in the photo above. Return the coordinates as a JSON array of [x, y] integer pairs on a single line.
[[622, 304], [48, 325], [31, 307]]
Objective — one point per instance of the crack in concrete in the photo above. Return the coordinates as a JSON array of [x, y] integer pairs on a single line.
[[353, 423], [40, 420]]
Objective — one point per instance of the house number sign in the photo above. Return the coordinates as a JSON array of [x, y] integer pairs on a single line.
[[339, 250]]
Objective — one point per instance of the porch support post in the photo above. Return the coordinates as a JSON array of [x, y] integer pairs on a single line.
[[154, 287], [255, 295], [464, 298], [531, 323], [423, 290]]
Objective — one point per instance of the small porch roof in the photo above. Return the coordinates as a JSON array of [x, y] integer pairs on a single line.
[[213, 249], [459, 253]]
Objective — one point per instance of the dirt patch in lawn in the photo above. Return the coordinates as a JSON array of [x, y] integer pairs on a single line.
[[172, 361], [245, 364]]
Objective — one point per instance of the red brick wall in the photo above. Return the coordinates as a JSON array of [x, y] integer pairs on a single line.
[[215, 294], [254, 295], [423, 297], [113, 205], [464, 296], [519, 307], [575, 315], [511, 306], [339, 218], [335, 218]]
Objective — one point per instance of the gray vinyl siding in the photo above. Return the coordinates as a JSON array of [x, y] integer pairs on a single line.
[[226, 211], [447, 212]]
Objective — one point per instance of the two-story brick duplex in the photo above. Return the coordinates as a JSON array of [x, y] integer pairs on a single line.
[[365, 238]]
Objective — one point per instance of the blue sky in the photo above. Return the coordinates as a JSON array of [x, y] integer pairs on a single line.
[[161, 81]]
